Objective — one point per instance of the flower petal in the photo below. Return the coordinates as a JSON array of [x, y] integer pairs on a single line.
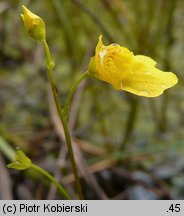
[[145, 59], [148, 83]]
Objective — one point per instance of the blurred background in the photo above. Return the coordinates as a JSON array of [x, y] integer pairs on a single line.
[[126, 147]]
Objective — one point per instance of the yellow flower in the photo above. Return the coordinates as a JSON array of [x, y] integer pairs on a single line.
[[34, 25], [125, 71]]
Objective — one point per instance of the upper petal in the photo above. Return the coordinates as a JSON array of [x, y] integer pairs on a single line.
[[145, 60], [111, 62]]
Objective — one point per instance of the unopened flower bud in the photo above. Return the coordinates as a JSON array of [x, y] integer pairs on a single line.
[[22, 162], [34, 25]]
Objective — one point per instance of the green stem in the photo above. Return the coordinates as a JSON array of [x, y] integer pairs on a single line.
[[70, 94], [50, 66], [52, 179]]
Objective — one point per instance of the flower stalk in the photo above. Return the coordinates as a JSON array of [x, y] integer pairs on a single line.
[[50, 65], [52, 179], [71, 93], [22, 162]]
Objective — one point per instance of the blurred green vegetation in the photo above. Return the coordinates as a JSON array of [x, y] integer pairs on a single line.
[[108, 119]]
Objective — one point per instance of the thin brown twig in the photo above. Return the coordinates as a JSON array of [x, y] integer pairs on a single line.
[[80, 161], [79, 91]]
